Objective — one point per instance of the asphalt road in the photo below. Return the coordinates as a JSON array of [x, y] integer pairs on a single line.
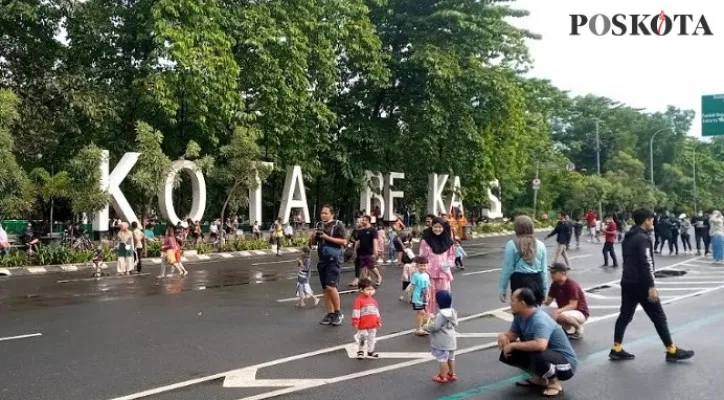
[[230, 331]]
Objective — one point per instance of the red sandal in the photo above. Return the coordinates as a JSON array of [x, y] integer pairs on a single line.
[[439, 379], [452, 377]]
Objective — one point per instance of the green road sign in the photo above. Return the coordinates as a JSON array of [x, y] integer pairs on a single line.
[[712, 115]]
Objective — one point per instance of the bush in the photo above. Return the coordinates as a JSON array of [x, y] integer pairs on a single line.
[[297, 241], [54, 254], [16, 258], [203, 248], [153, 248]]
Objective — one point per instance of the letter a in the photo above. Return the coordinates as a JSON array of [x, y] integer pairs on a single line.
[[435, 186], [294, 195], [455, 197]]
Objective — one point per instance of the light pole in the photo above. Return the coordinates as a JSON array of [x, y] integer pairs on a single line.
[[695, 191], [651, 153], [598, 167]]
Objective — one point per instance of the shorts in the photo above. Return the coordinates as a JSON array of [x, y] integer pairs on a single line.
[[575, 315], [330, 273], [443, 355], [366, 260], [304, 289], [405, 285], [418, 307]]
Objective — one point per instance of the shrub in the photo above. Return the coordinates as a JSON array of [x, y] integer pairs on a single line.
[[203, 248], [16, 258], [153, 248]]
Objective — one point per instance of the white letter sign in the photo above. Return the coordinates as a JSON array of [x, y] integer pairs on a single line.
[[435, 186], [455, 197], [391, 195], [255, 195], [294, 195], [111, 184], [198, 187], [496, 207], [373, 180]]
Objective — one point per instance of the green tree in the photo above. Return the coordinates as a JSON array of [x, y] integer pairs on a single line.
[[152, 168], [15, 188], [85, 179]]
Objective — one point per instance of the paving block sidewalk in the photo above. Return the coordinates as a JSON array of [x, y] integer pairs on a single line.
[[190, 257]]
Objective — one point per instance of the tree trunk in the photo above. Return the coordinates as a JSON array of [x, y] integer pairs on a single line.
[[226, 202]]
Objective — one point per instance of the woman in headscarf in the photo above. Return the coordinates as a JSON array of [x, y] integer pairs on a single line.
[[525, 261], [125, 248], [716, 232], [437, 246]]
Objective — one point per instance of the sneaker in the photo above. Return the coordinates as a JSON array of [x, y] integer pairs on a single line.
[[373, 354], [336, 319], [680, 355], [620, 355], [327, 320], [360, 355]]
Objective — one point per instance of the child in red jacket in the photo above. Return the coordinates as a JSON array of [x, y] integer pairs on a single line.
[[366, 319]]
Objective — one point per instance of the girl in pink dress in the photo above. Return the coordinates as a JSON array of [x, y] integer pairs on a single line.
[[438, 246], [381, 242]]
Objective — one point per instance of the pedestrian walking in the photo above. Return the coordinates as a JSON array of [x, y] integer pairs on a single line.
[[138, 239], [408, 270], [685, 236], [460, 255], [125, 248], [664, 230], [437, 246], [578, 230], [304, 290], [611, 234], [420, 288], [525, 262], [716, 232], [443, 338], [638, 288], [563, 233], [330, 238], [366, 319], [701, 232]]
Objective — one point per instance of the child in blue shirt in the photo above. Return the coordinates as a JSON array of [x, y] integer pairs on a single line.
[[460, 254], [420, 290]]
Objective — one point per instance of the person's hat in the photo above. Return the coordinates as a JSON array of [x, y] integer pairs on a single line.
[[558, 267], [682, 216]]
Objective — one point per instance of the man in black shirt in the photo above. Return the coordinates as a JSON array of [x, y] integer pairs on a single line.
[[366, 248], [637, 287], [563, 232], [330, 239], [701, 232]]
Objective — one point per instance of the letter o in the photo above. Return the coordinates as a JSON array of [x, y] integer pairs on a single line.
[[198, 187], [665, 29], [606, 24]]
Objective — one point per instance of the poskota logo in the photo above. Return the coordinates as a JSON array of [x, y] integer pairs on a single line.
[[661, 24]]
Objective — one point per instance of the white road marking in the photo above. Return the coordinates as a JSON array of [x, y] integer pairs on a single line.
[[273, 262], [688, 282], [580, 256], [317, 296], [352, 353], [36, 270], [225, 255], [478, 335], [504, 315], [20, 337], [291, 249], [259, 252], [680, 289], [245, 377], [485, 271], [184, 259], [203, 257]]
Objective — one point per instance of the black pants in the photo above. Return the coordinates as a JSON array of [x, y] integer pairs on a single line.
[[699, 236], [546, 364], [657, 240], [609, 249], [357, 267], [632, 296], [458, 262], [674, 244], [139, 254], [664, 240], [533, 282], [686, 242]]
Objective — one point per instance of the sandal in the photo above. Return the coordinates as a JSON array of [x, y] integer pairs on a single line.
[[439, 379], [360, 355], [452, 377], [528, 383], [551, 392], [421, 333]]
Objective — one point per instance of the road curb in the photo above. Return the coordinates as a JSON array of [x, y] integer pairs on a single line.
[[190, 256]]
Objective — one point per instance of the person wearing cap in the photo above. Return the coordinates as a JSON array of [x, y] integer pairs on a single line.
[[572, 309]]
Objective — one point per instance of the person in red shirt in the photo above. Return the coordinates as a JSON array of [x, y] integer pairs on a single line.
[[611, 232], [572, 310], [366, 319]]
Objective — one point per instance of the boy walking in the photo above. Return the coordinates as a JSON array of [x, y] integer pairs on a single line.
[[443, 338]]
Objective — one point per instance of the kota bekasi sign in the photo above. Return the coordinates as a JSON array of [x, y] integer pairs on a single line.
[[379, 190]]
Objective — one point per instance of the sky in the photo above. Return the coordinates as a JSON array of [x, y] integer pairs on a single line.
[[648, 72]]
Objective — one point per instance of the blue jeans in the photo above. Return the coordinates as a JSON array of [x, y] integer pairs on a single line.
[[717, 247]]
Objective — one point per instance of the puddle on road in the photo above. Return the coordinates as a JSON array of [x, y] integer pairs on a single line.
[[669, 273], [598, 288]]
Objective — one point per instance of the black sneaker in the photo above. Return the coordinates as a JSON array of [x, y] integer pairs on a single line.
[[373, 354], [680, 355], [620, 355], [337, 319], [360, 355], [327, 320]]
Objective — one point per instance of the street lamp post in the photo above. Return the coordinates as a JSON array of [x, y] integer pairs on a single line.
[[651, 153], [695, 191]]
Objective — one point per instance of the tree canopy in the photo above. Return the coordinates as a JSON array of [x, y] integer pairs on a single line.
[[337, 87]]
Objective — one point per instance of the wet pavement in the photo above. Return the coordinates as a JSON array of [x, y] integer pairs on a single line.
[[185, 338]]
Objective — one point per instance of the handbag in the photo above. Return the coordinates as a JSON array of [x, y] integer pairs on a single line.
[[170, 257]]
